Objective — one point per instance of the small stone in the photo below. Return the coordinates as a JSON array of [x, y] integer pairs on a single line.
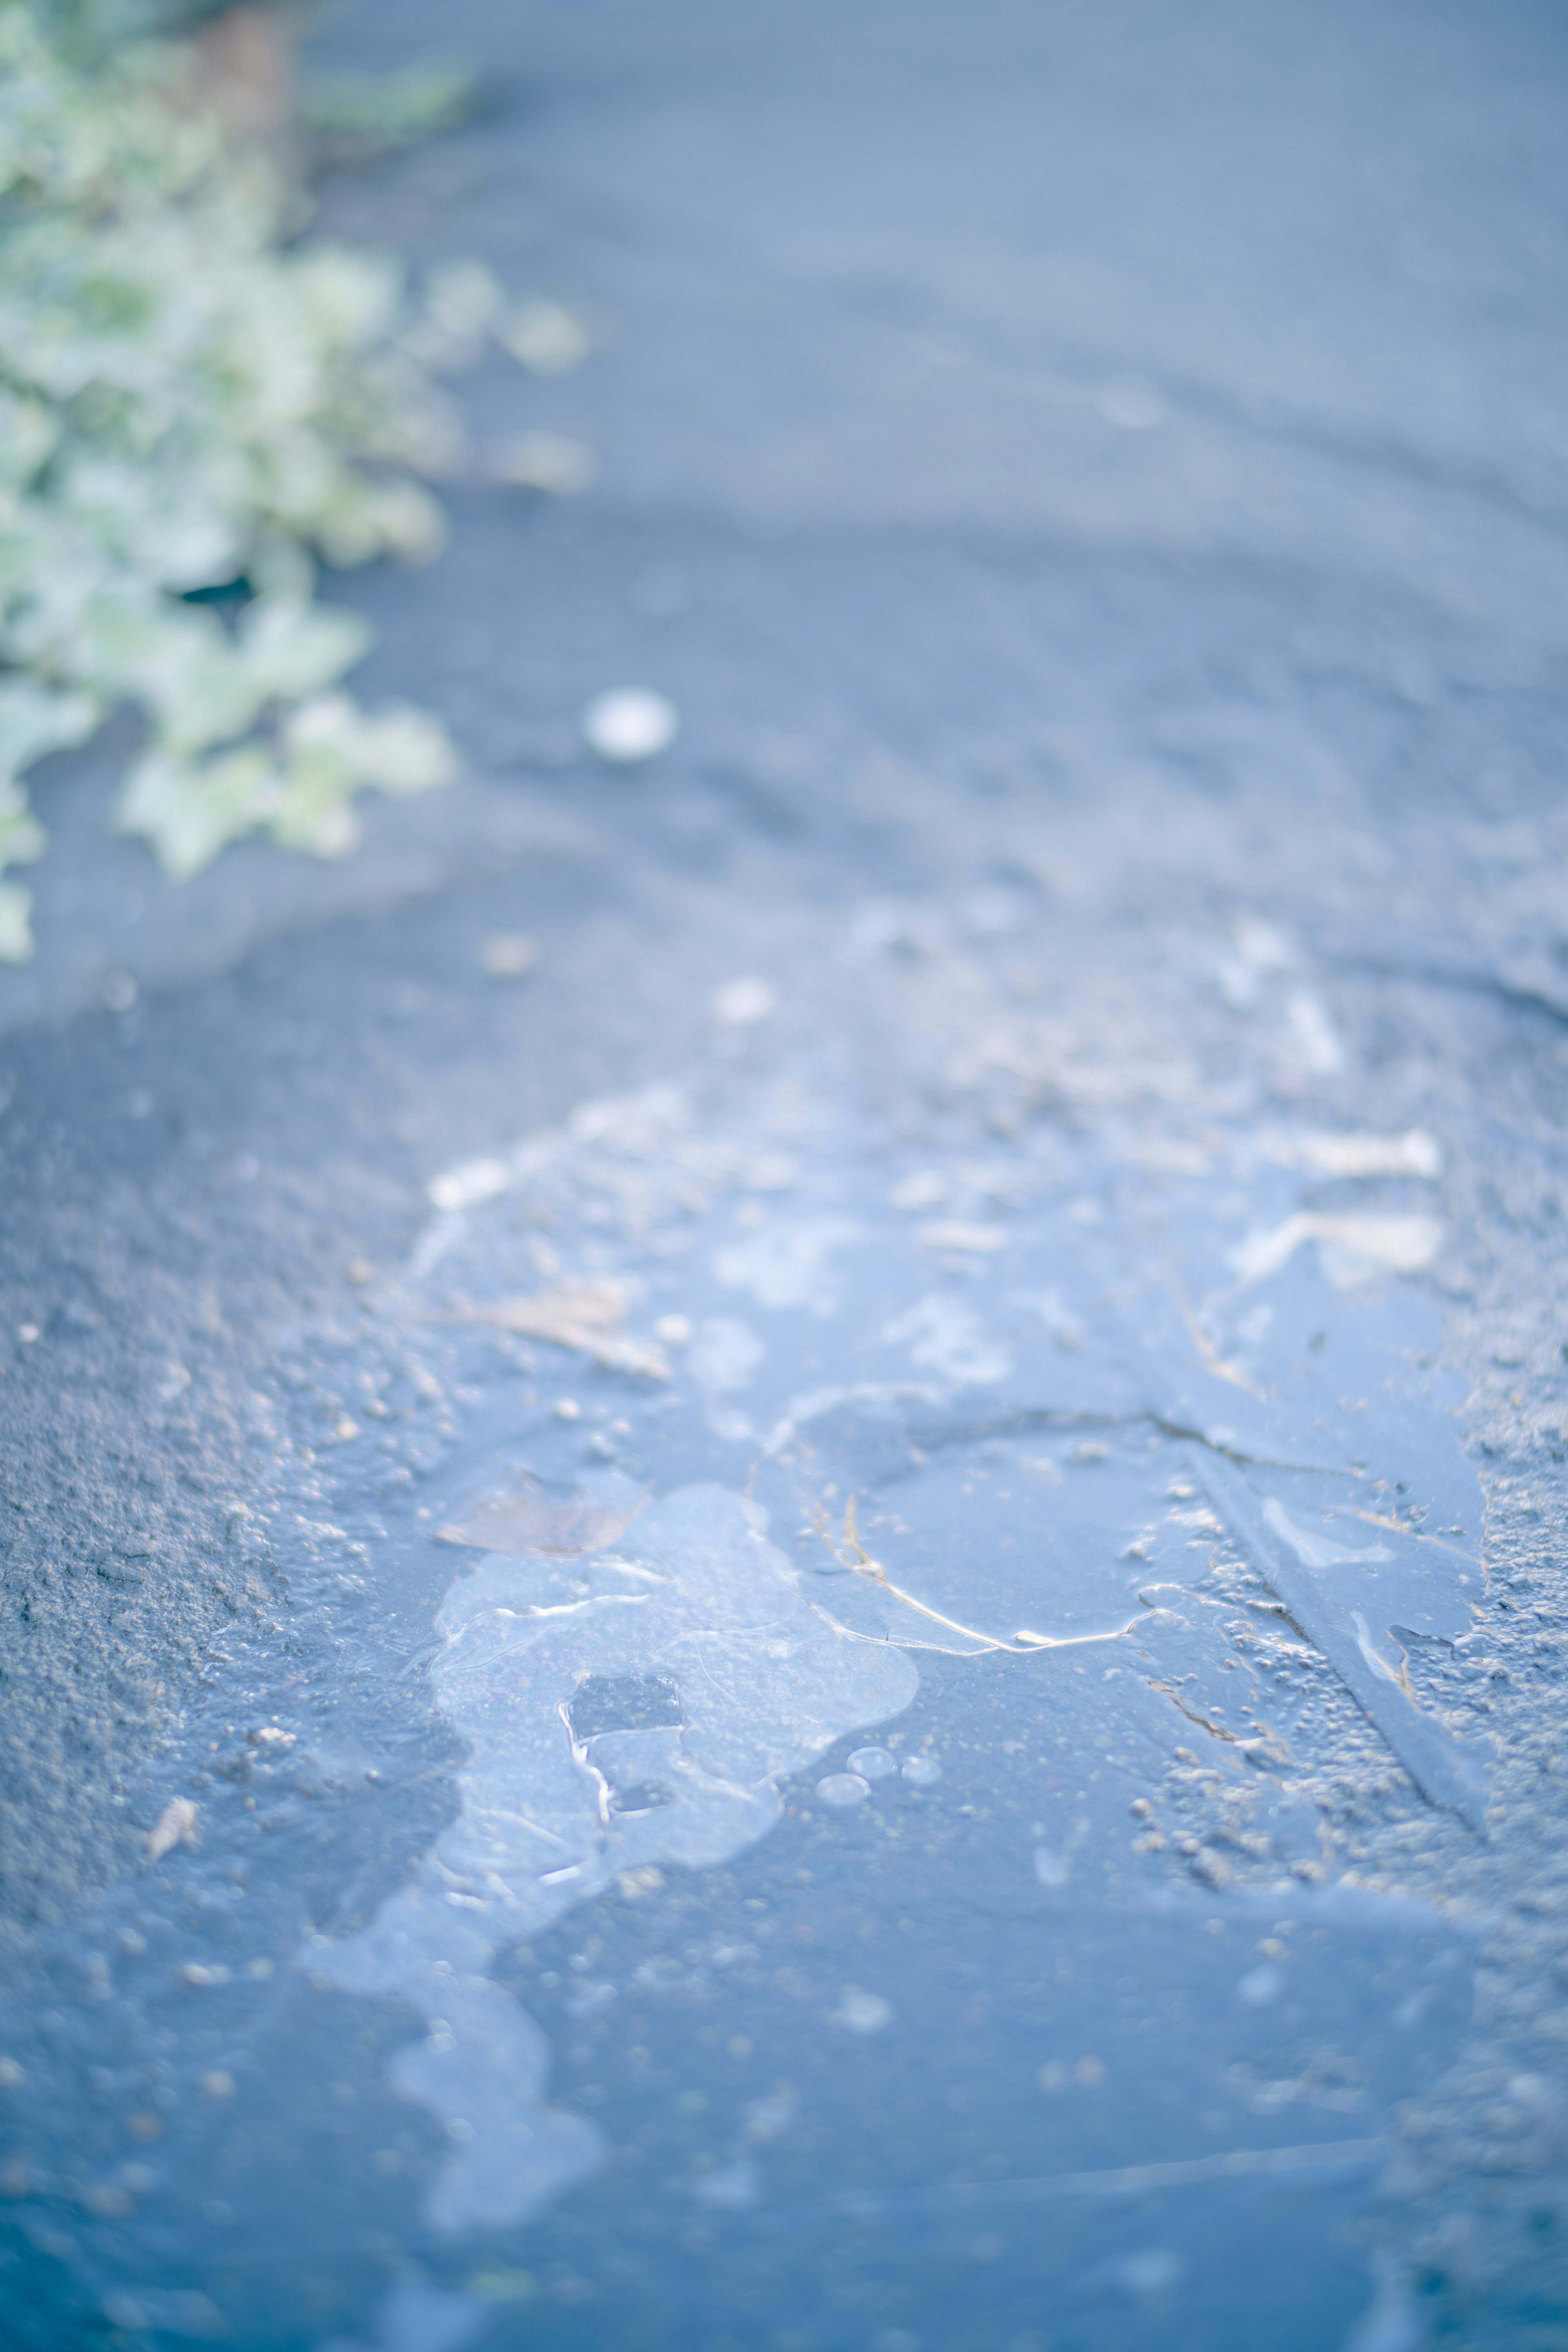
[[628, 724]]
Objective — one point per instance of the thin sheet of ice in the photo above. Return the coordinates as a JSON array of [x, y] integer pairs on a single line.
[[546, 1673]]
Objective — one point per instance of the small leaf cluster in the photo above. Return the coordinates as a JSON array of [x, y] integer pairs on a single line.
[[190, 398]]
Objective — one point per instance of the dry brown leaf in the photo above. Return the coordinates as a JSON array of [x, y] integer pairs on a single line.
[[586, 1316], [532, 1524]]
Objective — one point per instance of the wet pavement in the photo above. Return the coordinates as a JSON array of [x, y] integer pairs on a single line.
[[835, 1620]]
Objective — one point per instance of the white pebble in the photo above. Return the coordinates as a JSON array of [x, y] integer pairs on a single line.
[[629, 723]]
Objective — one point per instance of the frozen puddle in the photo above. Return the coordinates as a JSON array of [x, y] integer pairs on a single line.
[[750, 1428], [623, 1710]]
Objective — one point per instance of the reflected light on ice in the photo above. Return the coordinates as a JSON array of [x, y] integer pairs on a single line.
[[620, 1712]]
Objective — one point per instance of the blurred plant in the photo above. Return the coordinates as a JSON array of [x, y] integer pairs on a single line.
[[191, 403]]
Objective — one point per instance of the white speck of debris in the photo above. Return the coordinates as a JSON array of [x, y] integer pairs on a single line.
[[740, 1001], [1259, 1986], [675, 1331], [508, 955], [195, 1973], [547, 338], [568, 1408], [1133, 404], [344, 1429], [873, 1763], [955, 1234], [176, 1826], [26, 1333], [1089, 1449], [1354, 1247], [1050, 1868], [629, 723], [475, 1181], [1415, 1153], [863, 2013], [119, 992], [268, 1735], [844, 1788], [176, 1379], [922, 1772], [552, 462]]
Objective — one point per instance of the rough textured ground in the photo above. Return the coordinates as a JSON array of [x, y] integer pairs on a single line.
[[1094, 483]]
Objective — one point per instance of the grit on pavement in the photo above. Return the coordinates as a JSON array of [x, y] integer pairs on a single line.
[[784, 1525]]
